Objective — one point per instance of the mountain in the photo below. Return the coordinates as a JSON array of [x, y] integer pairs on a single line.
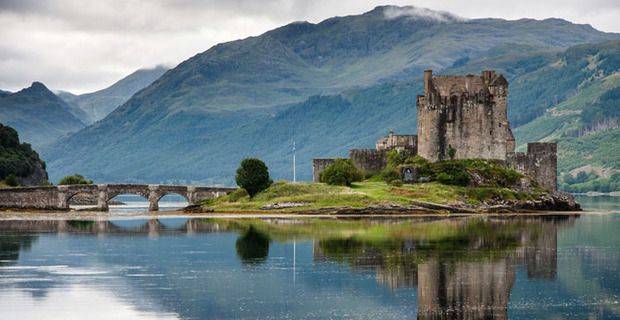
[[582, 114], [19, 160], [98, 104], [332, 85], [38, 115]]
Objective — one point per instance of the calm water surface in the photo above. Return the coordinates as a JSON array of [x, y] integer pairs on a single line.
[[470, 268]]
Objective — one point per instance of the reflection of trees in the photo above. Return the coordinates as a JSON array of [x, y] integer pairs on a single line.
[[252, 246], [12, 244]]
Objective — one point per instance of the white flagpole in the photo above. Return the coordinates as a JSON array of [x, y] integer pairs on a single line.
[[294, 164]]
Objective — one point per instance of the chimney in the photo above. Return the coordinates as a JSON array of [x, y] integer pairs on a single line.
[[428, 78]]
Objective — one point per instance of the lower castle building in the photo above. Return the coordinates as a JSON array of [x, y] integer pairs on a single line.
[[461, 117]]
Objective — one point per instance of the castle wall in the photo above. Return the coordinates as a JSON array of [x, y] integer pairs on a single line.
[[540, 163], [318, 165], [399, 142], [368, 160], [467, 114]]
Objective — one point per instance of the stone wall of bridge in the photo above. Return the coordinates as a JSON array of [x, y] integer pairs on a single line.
[[58, 197]]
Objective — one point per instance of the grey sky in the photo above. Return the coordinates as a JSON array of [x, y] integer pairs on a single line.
[[82, 45]]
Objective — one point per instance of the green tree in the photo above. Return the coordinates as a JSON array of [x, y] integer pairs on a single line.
[[74, 179], [253, 176], [11, 180], [342, 173]]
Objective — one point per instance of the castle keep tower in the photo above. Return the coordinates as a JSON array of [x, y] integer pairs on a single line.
[[464, 115]]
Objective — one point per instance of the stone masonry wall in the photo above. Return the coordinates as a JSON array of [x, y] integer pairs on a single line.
[[540, 163], [35, 197], [467, 114], [368, 160], [318, 165]]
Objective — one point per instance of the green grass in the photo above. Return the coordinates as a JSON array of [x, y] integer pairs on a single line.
[[359, 195]]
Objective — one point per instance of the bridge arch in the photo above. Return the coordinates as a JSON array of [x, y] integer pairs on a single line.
[[162, 195]]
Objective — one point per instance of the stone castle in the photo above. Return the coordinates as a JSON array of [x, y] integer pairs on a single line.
[[461, 117]]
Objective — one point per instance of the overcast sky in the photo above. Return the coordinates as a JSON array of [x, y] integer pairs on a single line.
[[84, 45]]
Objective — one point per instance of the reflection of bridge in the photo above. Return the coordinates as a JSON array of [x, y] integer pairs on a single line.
[[145, 227], [57, 197]]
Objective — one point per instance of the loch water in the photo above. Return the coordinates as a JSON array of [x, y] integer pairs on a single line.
[[552, 267]]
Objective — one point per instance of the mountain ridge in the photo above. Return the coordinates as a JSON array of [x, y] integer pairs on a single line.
[[38, 114], [98, 104]]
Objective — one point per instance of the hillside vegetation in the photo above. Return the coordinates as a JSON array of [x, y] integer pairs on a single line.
[[586, 124], [17, 160]]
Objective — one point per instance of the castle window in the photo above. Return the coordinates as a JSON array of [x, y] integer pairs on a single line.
[[500, 124], [491, 132]]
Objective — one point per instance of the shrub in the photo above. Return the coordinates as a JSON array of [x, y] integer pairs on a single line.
[[342, 173], [421, 164], [253, 176], [450, 172], [389, 174], [237, 195], [451, 152], [11, 180], [444, 178], [74, 179], [395, 158], [395, 183]]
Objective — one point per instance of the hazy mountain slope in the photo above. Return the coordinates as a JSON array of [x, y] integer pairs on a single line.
[[209, 148], [195, 121], [38, 115], [585, 118], [98, 104]]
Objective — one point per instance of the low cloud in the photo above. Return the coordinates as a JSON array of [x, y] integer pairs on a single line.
[[393, 12]]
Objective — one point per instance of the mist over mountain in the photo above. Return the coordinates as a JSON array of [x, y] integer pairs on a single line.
[[329, 86], [38, 115], [96, 105]]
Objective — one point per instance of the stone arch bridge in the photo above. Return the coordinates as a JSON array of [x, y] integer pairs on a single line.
[[57, 197]]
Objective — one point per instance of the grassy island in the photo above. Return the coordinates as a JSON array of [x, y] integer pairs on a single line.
[[312, 197], [465, 186]]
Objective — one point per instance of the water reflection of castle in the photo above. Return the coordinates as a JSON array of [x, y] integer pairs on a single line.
[[467, 284]]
